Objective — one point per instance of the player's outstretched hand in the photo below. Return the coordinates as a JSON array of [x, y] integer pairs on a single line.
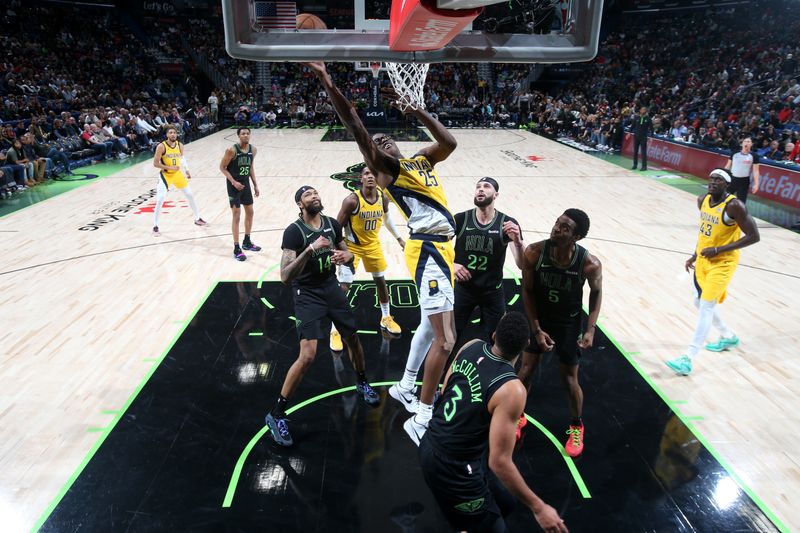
[[317, 67], [548, 519], [461, 273]]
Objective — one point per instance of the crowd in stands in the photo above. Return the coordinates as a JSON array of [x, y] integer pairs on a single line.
[[67, 100], [738, 77]]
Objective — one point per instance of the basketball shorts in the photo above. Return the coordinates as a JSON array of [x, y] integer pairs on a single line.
[[174, 179], [371, 256], [239, 198], [565, 336], [711, 278], [314, 303], [430, 264], [468, 493], [491, 304]]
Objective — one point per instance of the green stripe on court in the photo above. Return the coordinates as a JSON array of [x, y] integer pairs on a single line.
[[105, 431], [237, 469]]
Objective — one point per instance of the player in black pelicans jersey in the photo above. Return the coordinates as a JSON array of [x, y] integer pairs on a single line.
[[312, 248], [238, 169], [466, 454], [482, 236], [553, 274]]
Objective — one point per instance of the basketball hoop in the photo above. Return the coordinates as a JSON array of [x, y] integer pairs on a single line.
[[408, 80], [375, 67]]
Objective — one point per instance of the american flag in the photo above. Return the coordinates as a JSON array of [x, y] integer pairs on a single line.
[[275, 15]]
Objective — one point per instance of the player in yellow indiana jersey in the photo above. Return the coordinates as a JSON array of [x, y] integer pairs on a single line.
[[415, 187], [174, 172], [361, 216], [723, 218]]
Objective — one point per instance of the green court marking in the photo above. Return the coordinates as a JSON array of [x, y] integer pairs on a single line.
[[98, 430], [567, 459], [513, 274], [109, 411], [513, 300], [237, 469], [679, 402], [476, 321], [256, 334], [293, 319], [107, 430], [687, 421], [261, 282], [366, 332], [694, 418], [151, 359]]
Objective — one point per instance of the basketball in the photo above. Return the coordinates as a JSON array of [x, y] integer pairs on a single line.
[[307, 21]]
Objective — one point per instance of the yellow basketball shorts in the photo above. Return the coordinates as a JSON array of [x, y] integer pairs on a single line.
[[174, 179], [371, 256], [711, 278], [430, 264]]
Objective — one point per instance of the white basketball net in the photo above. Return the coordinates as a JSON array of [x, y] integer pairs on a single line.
[[408, 79]]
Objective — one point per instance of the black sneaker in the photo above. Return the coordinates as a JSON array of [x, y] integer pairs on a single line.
[[238, 254], [368, 394], [249, 246], [279, 430]]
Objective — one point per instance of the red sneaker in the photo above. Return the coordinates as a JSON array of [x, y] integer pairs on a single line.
[[521, 423], [574, 446]]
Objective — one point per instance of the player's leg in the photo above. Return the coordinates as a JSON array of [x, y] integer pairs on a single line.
[[344, 274], [404, 391], [342, 316], [444, 338], [247, 202], [463, 306], [161, 194], [236, 213], [187, 191], [493, 307]]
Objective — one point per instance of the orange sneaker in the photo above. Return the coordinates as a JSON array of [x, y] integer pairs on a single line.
[[574, 446], [521, 423]]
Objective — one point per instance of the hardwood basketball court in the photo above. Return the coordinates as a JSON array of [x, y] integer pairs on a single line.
[[90, 299]]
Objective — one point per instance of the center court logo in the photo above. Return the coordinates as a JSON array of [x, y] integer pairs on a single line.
[[351, 177], [119, 212]]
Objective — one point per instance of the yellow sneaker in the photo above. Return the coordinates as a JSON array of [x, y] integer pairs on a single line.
[[336, 342], [390, 325]]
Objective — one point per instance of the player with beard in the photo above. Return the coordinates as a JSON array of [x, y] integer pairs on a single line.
[[482, 236], [312, 248]]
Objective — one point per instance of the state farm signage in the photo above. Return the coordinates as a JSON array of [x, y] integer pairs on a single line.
[[777, 183]]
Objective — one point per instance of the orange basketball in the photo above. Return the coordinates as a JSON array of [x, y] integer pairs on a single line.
[[307, 21]]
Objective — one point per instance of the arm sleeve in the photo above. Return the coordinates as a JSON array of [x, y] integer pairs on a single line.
[[460, 221], [337, 230], [292, 240]]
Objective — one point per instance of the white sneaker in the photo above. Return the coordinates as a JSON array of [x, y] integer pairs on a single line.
[[414, 429], [405, 396]]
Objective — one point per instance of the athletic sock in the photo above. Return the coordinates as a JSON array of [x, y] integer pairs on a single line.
[[385, 309], [424, 413], [279, 411], [246, 240], [362, 377], [577, 421]]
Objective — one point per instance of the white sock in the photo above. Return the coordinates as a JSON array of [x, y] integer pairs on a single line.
[[420, 344], [192, 203], [385, 309], [703, 327], [424, 413], [161, 193]]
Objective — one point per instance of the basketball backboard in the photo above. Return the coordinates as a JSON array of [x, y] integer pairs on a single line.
[[519, 31]]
